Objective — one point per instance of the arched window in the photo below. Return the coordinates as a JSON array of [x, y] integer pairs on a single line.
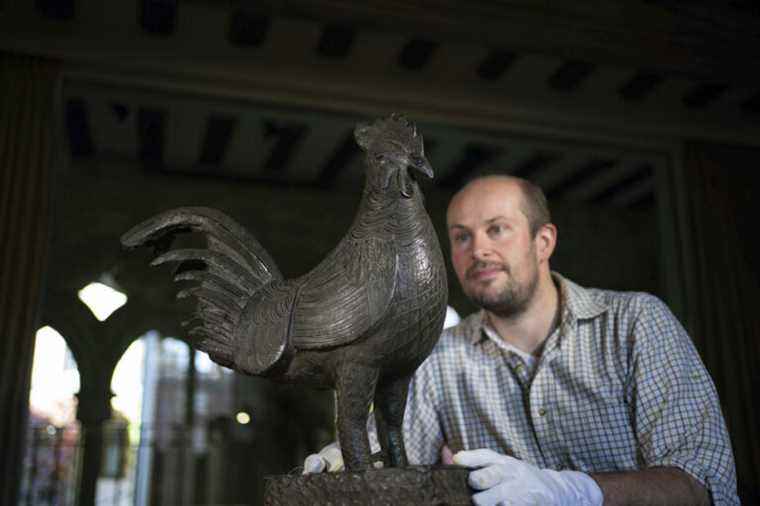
[[165, 394], [50, 462]]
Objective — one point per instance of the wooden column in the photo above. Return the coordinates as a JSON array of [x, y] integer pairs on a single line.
[[26, 117]]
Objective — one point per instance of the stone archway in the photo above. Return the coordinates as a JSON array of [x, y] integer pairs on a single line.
[[97, 347]]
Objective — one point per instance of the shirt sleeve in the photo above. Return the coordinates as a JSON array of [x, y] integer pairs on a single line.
[[423, 436], [678, 419]]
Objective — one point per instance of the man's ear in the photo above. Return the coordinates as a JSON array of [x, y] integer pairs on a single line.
[[546, 240]]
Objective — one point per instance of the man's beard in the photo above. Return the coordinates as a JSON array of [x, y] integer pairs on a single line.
[[513, 299]]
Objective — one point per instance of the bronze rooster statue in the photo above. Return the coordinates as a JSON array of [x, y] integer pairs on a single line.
[[361, 322]]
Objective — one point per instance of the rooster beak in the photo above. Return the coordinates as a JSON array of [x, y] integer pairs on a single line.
[[423, 165]]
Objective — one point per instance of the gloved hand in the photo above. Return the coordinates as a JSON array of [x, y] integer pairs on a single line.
[[505, 480], [328, 459]]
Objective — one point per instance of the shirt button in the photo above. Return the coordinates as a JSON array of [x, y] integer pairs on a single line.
[[541, 412]]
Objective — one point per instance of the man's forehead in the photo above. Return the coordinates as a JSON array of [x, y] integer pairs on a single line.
[[484, 203]]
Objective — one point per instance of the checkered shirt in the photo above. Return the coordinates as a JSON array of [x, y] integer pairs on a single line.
[[619, 386]]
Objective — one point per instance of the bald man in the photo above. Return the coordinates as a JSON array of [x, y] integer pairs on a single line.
[[558, 394]]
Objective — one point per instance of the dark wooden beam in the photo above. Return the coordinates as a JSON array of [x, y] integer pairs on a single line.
[[248, 27], [640, 85], [158, 17], [78, 128], [702, 95], [577, 177], [645, 171], [336, 41], [570, 75], [288, 138], [496, 64], [120, 111], [623, 33], [341, 158], [219, 131], [416, 53], [151, 137], [474, 156], [55, 9], [535, 163], [645, 201]]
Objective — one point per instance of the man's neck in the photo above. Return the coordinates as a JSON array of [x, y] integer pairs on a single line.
[[528, 330]]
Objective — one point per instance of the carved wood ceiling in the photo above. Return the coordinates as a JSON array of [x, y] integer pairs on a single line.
[[678, 83]]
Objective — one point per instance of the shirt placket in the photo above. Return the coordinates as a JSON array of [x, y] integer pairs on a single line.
[[519, 369], [522, 375], [542, 404]]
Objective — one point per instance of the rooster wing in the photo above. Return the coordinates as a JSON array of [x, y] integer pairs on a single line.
[[345, 295]]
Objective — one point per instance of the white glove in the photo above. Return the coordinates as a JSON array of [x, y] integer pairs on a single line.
[[505, 480], [328, 459]]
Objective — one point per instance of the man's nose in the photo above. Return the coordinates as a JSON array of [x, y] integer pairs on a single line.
[[481, 248]]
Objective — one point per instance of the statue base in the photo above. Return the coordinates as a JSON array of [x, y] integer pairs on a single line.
[[413, 485]]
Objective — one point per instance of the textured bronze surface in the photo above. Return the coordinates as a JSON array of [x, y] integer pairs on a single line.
[[415, 485], [361, 321]]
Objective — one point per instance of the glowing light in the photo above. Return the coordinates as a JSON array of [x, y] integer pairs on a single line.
[[102, 299], [243, 418]]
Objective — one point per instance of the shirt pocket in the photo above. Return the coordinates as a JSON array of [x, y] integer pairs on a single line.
[[596, 426]]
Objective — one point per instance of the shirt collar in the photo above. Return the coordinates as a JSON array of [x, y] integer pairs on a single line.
[[576, 303]]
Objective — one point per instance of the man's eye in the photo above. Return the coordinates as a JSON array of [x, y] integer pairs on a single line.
[[495, 230], [460, 238]]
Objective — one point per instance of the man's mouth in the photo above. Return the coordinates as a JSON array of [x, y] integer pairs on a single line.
[[483, 272]]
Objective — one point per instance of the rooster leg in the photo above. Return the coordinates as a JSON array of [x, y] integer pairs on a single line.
[[390, 402], [382, 435], [355, 388]]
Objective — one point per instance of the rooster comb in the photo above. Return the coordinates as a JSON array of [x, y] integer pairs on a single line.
[[396, 129]]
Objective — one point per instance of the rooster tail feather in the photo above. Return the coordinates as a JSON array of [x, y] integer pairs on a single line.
[[223, 235], [223, 276], [214, 298], [213, 344], [240, 276], [208, 280]]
